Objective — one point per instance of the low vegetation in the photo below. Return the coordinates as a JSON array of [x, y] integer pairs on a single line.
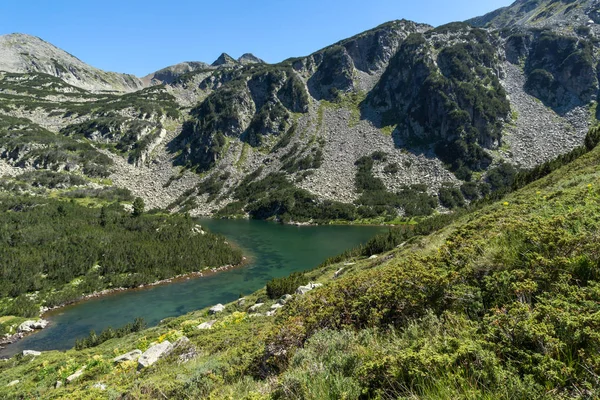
[[495, 302]]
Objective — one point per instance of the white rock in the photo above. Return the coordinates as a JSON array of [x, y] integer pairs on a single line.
[[31, 353], [270, 313], [207, 325], [153, 354], [216, 309], [131, 356], [255, 307], [100, 386], [30, 326], [276, 307], [285, 298], [338, 272], [76, 375], [58, 384], [374, 256], [305, 289], [13, 383]]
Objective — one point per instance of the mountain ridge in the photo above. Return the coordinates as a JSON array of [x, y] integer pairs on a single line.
[[437, 108]]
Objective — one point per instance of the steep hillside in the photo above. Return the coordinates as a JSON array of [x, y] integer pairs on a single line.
[[564, 15], [393, 123], [170, 74], [502, 303], [23, 53]]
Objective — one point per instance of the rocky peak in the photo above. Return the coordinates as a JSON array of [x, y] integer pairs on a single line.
[[23, 53], [250, 58], [224, 59], [562, 15], [169, 74]]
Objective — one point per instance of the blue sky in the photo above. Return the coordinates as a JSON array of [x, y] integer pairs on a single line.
[[139, 37]]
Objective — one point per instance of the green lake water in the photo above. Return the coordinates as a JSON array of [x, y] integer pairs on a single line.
[[275, 250]]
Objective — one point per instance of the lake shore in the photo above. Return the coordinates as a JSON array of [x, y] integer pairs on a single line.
[[46, 313]]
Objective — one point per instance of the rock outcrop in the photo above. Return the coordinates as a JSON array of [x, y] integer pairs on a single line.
[[131, 356], [153, 354]]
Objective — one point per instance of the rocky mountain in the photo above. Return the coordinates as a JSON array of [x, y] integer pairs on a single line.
[[224, 60], [249, 58], [169, 74], [21, 53], [396, 121], [564, 15]]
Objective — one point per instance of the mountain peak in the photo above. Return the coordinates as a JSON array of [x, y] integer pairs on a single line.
[[249, 58], [23, 53], [224, 59], [561, 14]]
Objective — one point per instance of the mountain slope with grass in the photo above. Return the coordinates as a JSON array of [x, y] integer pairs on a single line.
[[500, 303], [394, 123]]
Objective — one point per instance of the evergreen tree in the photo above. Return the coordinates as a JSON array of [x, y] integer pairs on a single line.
[[138, 207]]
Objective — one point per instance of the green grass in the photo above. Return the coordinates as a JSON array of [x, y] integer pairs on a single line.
[[502, 303]]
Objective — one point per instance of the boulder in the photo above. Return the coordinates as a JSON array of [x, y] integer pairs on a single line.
[[99, 386], [58, 384], [374, 256], [76, 375], [154, 353], [241, 301], [276, 307], [30, 326], [305, 289], [31, 353], [131, 356], [338, 273], [285, 298], [13, 383], [255, 307], [207, 325], [216, 309]]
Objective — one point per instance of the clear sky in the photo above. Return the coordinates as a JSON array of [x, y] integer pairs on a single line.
[[139, 37]]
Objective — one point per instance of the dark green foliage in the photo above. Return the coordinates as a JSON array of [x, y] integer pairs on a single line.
[[25, 141], [451, 197], [213, 185], [312, 160], [285, 139], [293, 95], [561, 68], [376, 201], [287, 285], [470, 191], [46, 244], [275, 197], [334, 73], [275, 91], [459, 102], [501, 177], [364, 180], [138, 207], [108, 194], [94, 340], [51, 179]]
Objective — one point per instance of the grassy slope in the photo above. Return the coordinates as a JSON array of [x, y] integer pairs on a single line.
[[501, 304]]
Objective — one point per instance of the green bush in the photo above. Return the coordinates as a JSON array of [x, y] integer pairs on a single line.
[[287, 285]]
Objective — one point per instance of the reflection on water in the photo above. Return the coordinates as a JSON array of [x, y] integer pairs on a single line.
[[275, 250]]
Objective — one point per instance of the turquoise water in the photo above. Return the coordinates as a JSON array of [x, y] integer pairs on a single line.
[[275, 250]]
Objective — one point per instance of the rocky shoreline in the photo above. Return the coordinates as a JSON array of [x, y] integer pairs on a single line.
[[44, 311]]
